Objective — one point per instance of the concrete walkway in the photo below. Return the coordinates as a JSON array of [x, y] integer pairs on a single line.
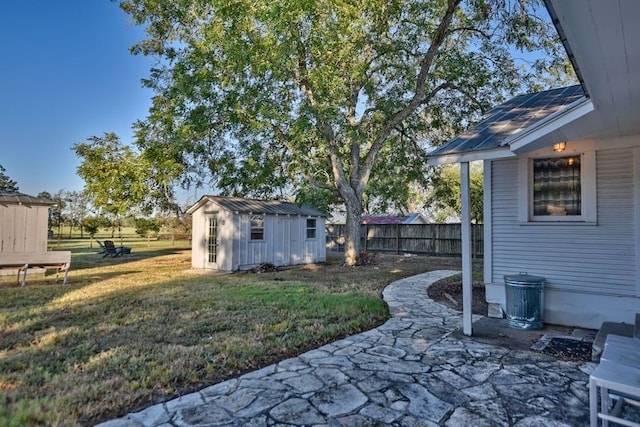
[[407, 372]]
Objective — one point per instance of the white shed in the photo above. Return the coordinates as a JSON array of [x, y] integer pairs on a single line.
[[231, 233], [23, 223]]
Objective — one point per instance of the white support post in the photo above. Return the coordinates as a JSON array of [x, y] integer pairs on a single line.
[[467, 288]]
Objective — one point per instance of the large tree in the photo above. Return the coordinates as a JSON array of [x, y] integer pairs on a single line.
[[261, 96], [115, 176], [77, 208]]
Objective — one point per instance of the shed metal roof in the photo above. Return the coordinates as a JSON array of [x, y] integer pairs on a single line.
[[390, 219], [242, 205], [15, 198], [507, 120]]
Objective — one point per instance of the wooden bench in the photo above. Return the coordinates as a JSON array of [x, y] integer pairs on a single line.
[[22, 261]]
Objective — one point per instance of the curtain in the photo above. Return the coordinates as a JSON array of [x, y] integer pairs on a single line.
[[556, 186]]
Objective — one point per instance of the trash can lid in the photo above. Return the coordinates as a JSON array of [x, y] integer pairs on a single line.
[[524, 278]]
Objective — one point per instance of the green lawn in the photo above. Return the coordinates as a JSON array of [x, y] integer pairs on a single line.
[[132, 331]]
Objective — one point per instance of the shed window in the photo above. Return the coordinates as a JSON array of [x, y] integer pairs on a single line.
[[257, 227], [557, 189], [311, 228]]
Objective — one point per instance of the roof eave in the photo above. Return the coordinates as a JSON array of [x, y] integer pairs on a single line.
[[565, 42], [470, 156], [197, 205]]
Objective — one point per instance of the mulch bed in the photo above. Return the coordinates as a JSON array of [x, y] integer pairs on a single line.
[[569, 349], [264, 268], [450, 294]]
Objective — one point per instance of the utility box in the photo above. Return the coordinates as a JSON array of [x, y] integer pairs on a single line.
[[525, 301]]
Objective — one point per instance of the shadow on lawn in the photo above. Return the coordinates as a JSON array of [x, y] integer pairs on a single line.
[[90, 258], [83, 259]]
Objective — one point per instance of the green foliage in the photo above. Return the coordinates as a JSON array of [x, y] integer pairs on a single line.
[[77, 206], [255, 98], [115, 176], [56, 211], [146, 225], [445, 198], [92, 224], [7, 185], [320, 198], [45, 195]]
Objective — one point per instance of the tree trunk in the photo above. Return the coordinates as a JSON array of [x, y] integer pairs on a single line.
[[352, 229]]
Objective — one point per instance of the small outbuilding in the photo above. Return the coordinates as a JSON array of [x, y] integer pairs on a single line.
[[23, 223], [231, 233]]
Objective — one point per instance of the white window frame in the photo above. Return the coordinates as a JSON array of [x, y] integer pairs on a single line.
[[252, 228], [314, 228], [588, 192]]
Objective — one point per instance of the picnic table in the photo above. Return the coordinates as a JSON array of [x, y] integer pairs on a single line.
[[22, 261]]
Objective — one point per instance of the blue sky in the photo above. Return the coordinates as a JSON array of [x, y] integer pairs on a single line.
[[65, 74]]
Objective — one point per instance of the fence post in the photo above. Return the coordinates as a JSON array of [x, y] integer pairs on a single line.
[[473, 241], [366, 236], [397, 239]]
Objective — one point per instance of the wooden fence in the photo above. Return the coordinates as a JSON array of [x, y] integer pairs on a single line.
[[428, 239]]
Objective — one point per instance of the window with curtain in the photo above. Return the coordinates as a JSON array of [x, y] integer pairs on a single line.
[[557, 189]]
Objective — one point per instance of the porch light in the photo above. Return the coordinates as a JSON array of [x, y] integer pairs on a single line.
[[559, 147]]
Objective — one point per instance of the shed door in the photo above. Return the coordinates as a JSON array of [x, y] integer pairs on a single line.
[[213, 241]]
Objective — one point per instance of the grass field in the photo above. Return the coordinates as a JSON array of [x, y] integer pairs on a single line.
[[131, 331]]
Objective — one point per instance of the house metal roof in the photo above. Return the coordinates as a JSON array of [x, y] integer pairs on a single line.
[[242, 205], [15, 198], [507, 120]]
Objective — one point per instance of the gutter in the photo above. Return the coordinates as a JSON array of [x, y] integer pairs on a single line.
[[563, 38]]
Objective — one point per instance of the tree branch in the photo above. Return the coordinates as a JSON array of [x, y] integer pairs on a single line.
[[468, 95], [419, 96], [470, 29], [282, 137]]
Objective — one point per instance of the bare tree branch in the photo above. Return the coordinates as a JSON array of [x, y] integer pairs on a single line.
[[418, 98]]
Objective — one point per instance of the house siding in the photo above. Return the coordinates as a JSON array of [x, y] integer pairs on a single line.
[[573, 258], [570, 255]]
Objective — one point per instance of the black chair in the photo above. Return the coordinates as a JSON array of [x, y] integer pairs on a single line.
[[108, 248]]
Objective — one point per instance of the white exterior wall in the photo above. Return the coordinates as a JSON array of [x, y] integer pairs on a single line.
[[23, 228], [284, 242], [226, 232], [591, 270], [198, 239]]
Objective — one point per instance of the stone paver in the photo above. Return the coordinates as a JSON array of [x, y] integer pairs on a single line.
[[408, 372]]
